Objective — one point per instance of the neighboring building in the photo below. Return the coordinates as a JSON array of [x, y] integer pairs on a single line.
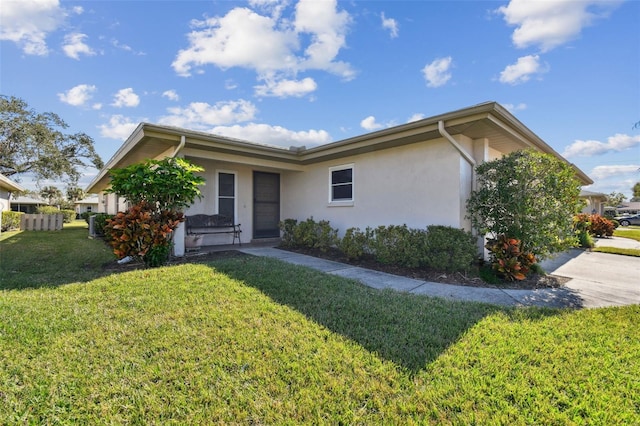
[[629, 207], [87, 205], [418, 174], [27, 205], [595, 202], [7, 189]]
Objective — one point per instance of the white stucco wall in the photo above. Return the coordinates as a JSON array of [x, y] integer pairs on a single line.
[[416, 185], [208, 203]]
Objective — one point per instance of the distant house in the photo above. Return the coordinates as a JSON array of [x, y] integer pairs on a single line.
[[87, 205], [7, 189], [595, 202], [629, 207], [418, 174], [27, 205]]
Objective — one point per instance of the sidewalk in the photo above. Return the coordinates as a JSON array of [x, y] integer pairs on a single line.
[[581, 292]]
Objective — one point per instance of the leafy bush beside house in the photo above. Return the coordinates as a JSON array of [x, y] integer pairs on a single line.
[[158, 191], [529, 196], [11, 220]]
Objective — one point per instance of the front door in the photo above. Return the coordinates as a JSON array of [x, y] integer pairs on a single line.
[[266, 205]]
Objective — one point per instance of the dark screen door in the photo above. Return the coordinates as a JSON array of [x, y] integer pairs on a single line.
[[266, 205]]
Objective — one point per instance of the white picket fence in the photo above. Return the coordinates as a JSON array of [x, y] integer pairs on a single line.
[[41, 222]]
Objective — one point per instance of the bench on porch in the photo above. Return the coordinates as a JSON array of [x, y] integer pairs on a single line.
[[213, 224]]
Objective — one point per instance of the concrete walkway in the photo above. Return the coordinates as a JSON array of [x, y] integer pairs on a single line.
[[597, 280]]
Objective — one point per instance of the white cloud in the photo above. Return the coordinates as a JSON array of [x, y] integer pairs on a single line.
[[273, 135], [513, 107], [551, 23], [370, 124], [616, 143], [604, 172], [119, 127], [286, 88], [78, 10], [269, 44], [437, 72], [172, 95], [78, 95], [125, 98], [27, 23], [522, 70], [201, 115], [415, 117], [391, 25], [74, 45], [126, 47]]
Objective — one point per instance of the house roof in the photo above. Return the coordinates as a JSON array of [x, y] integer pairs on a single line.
[[8, 184], [487, 120], [28, 200]]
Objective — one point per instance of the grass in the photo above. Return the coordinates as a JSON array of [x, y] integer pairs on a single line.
[[631, 232], [253, 340]]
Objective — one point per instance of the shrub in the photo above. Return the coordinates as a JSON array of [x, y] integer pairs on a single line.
[[288, 227], [508, 259], [141, 233], [85, 216], [449, 249], [11, 220], [47, 210], [100, 222], [355, 243], [397, 245], [586, 225], [69, 215], [601, 226], [308, 234]]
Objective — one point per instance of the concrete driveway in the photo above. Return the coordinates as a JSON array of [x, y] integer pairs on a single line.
[[598, 279]]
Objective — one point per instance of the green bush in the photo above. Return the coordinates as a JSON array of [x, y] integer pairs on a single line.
[[449, 249], [308, 234], [355, 243], [288, 227], [85, 216], [11, 220], [397, 245], [100, 222], [47, 210], [69, 215]]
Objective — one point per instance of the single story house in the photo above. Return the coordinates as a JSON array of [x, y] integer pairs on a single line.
[[86, 205], [27, 205], [7, 189], [595, 202], [418, 174], [629, 207]]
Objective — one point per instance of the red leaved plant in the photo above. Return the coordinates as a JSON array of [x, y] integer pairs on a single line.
[[508, 259]]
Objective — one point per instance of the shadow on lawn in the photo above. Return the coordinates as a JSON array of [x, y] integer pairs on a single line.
[[409, 330]]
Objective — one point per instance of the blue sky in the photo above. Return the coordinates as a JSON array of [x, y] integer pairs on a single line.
[[311, 72]]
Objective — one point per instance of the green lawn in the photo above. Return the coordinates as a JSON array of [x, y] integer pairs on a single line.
[[631, 232], [252, 340]]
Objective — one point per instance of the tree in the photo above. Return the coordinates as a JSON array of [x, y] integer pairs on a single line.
[[636, 192], [75, 193], [529, 196], [615, 199], [51, 194], [35, 143]]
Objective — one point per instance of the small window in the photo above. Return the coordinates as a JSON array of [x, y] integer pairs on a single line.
[[341, 183], [227, 195]]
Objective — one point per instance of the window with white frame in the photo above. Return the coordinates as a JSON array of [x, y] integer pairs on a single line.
[[227, 194], [341, 179]]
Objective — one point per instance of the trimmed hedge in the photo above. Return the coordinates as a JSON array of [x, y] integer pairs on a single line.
[[438, 247], [11, 220]]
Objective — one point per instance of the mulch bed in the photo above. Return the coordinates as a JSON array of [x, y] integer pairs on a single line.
[[470, 279]]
